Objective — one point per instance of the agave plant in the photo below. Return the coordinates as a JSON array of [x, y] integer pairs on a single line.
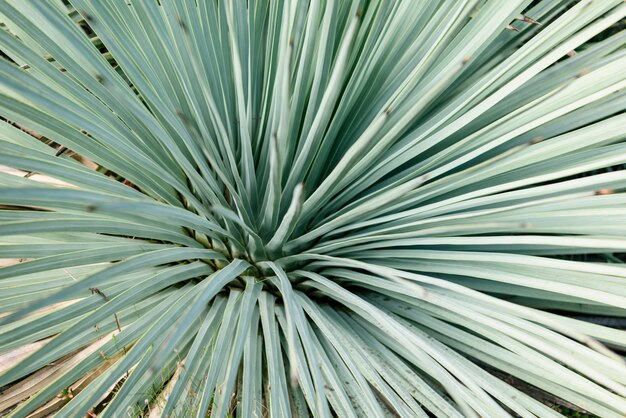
[[319, 208]]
